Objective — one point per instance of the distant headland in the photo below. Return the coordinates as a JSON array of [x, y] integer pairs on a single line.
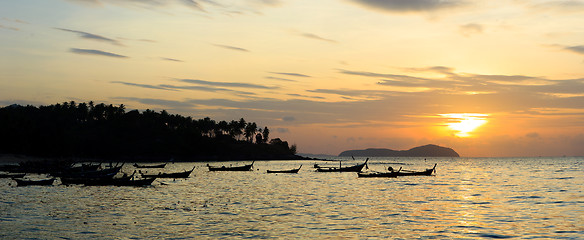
[[73, 130], [429, 150]]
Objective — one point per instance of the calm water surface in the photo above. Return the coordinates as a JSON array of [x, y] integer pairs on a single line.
[[467, 198]]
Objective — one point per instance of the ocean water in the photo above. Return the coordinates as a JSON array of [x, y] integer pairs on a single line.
[[468, 198]]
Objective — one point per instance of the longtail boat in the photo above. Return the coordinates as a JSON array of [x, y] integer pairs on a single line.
[[91, 174], [86, 180], [184, 174], [43, 182], [426, 172], [122, 181], [356, 168], [238, 168], [285, 171], [390, 174]]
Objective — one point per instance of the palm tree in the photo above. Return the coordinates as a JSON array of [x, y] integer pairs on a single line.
[[250, 131]]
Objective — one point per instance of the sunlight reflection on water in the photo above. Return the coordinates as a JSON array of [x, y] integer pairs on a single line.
[[468, 198]]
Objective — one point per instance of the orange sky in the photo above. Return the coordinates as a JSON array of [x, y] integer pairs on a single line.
[[328, 75]]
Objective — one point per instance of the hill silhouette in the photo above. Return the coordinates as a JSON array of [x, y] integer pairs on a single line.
[[429, 150], [88, 130]]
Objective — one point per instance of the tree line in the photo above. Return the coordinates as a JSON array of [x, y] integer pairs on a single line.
[[71, 129]]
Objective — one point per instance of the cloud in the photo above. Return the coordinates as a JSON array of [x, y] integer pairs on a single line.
[[281, 79], [569, 6], [316, 37], [144, 85], [171, 59], [470, 29], [159, 102], [291, 74], [92, 36], [205, 89], [379, 75], [269, 2], [225, 84], [193, 4], [15, 20], [9, 28], [404, 6], [305, 96], [150, 4], [168, 87], [96, 52], [231, 48], [577, 49], [384, 106], [288, 119]]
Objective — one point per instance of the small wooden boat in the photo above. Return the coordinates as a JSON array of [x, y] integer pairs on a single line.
[[122, 181], [391, 174], [91, 174], [42, 182], [12, 175], [238, 168], [149, 166], [184, 174], [82, 168], [356, 168], [285, 171], [427, 172]]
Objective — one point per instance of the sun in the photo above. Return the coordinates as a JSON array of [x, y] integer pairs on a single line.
[[464, 123]]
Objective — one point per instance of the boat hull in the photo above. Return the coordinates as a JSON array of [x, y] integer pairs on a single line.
[[236, 169], [378, 174], [44, 182]]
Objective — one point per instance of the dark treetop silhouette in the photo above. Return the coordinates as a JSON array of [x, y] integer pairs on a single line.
[[87, 130]]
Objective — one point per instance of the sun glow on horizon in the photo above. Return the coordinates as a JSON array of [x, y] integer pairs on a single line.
[[464, 123]]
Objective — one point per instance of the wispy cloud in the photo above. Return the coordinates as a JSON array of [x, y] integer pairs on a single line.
[[171, 59], [226, 84], [92, 36], [380, 75], [280, 79], [201, 85], [507, 94], [577, 49], [291, 74], [316, 37], [569, 6], [96, 52], [231, 47], [150, 4], [409, 5], [144, 85], [206, 89], [305, 96], [159, 102], [9, 28], [15, 20], [470, 29]]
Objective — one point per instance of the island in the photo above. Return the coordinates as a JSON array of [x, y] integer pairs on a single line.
[[429, 150]]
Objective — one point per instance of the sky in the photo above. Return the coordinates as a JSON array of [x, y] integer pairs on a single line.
[[486, 78]]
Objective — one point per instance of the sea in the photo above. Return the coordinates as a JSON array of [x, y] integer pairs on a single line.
[[466, 198]]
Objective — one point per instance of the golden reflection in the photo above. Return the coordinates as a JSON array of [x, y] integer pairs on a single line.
[[464, 123]]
